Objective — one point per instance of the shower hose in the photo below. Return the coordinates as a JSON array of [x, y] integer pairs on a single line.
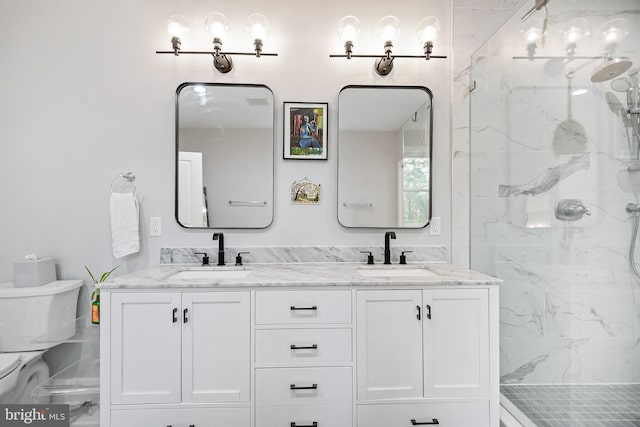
[[634, 208]]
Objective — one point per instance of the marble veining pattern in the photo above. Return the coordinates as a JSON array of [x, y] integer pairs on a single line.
[[283, 254], [300, 274], [547, 180]]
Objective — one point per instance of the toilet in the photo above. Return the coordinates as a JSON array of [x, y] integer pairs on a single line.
[[32, 320]]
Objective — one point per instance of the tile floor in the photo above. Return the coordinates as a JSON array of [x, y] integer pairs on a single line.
[[573, 405]]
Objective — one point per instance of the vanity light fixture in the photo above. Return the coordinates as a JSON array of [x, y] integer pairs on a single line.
[[388, 28], [612, 33], [532, 36], [574, 30], [348, 33], [217, 26], [177, 27]]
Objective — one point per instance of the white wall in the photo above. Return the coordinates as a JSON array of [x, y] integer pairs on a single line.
[[84, 98]]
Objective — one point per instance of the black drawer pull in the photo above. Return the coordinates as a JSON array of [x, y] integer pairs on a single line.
[[315, 424], [175, 319], [432, 422], [303, 347], [313, 307], [311, 387], [185, 319]]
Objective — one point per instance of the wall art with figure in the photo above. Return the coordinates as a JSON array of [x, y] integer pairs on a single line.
[[305, 130]]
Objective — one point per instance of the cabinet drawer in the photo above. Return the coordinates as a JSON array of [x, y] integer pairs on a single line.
[[302, 307], [304, 416], [304, 346], [447, 414], [303, 385], [197, 417]]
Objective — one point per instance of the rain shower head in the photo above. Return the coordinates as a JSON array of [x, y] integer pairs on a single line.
[[609, 69]]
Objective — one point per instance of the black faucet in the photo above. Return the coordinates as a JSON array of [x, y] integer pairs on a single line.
[[220, 238], [205, 258], [387, 246]]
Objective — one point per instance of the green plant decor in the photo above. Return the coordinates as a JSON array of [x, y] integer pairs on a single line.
[[103, 278]]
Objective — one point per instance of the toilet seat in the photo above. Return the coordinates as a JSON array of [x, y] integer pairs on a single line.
[[10, 366], [9, 362]]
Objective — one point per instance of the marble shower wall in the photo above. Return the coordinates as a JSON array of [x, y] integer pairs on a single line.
[[569, 304], [474, 21]]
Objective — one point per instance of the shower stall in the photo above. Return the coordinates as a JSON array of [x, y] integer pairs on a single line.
[[554, 208]]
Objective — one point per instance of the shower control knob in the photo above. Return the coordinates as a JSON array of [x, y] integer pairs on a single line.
[[571, 210]]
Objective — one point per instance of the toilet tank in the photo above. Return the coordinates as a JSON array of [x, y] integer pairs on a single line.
[[37, 318]]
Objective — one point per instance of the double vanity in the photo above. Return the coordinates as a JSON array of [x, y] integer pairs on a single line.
[[300, 345]]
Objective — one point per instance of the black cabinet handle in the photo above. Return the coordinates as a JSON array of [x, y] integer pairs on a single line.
[[302, 347], [311, 387], [419, 308], [434, 421], [192, 425], [185, 319], [428, 311], [315, 424], [294, 308], [174, 317]]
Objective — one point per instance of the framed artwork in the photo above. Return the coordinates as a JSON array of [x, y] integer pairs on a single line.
[[305, 130]]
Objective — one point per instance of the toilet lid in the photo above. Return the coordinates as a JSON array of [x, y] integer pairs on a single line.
[[9, 362]]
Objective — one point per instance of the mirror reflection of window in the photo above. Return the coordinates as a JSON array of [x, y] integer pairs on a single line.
[[415, 170], [230, 128], [384, 156]]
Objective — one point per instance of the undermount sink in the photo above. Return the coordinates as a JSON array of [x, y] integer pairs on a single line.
[[397, 272], [210, 274]]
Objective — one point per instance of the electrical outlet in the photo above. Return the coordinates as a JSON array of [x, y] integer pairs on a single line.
[[155, 226], [435, 226]]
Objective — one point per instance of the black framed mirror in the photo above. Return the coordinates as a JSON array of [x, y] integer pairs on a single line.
[[385, 138], [224, 155]]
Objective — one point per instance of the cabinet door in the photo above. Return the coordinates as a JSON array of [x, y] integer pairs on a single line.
[[145, 347], [456, 343], [216, 347], [389, 340]]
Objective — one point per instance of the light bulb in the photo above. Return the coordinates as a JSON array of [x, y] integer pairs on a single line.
[[614, 30], [178, 26], [429, 29], [217, 25], [388, 27], [532, 35], [349, 29], [258, 26], [574, 30]]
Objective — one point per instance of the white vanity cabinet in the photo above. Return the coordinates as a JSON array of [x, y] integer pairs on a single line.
[[429, 346], [275, 351], [179, 348]]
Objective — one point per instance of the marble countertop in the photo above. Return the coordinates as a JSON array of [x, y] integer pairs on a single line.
[[299, 275]]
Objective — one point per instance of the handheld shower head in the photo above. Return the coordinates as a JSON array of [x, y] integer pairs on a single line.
[[633, 93], [621, 84]]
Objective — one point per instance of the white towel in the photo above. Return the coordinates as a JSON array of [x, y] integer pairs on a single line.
[[125, 236]]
